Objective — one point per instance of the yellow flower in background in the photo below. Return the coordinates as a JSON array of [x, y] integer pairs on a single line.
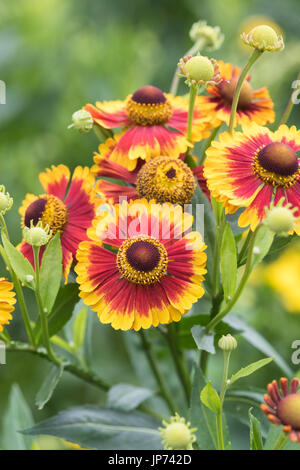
[[283, 275], [7, 301]]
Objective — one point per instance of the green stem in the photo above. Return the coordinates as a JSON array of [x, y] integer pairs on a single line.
[[255, 55], [82, 373], [219, 418], [244, 248], [17, 286], [220, 226], [290, 104], [281, 441], [179, 364], [43, 315], [208, 142], [239, 290], [192, 100], [197, 47], [163, 388]]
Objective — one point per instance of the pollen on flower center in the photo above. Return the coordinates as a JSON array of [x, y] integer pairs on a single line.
[[142, 260], [277, 164], [148, 106], [289, 410], [227, 90], [166, 179], [48, 209]]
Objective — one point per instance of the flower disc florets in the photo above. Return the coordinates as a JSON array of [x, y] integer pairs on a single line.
[[177, 434], [280, 219], [199, 70], [166, 179], [37, 235], [212, 36], [263, 38]]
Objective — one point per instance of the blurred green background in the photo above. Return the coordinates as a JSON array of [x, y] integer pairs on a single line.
[[57, 55]]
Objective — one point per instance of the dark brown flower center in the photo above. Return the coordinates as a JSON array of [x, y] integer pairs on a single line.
[[171, 173], [279, 158], [143, 256], [149, 95], [227, 90], [50, 210], [289, 410], [35, 211]]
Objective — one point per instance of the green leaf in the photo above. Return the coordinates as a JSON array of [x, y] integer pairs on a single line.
[[79, 328], [16, 417], [21, 266], [205, 434], [209, 227], [51, 272], [127, 397], [210, 398], [102, 428], [203, 340], [263, 242], [255, 433], [48, 386], [62, 310], [248, 370], [228, 263], [258, 341]]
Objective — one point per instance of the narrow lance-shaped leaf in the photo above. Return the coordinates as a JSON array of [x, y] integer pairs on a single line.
[[255, 433], [51, 272], [19, 263], [248, 370], [48, 386], [228, 263]]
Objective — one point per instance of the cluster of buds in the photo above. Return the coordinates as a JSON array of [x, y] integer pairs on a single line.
[[211, 36], [280, 219], [177, 434], [37, 235], [199, 70], [263, 38], [5, 200], [82, 121]]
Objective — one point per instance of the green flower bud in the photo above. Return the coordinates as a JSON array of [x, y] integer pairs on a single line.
[[37, 235], [280, 219], [199, 68], [211, 36], [227, 343], [82, 121], [177, 434], [5, 200], [263, 38]]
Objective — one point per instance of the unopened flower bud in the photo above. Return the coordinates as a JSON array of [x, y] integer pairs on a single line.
[[227, 343], [211, 36], [263, 38], [280, 219], [199, 70], [5, 200], [82, 121], [177, 434], [37, 235]]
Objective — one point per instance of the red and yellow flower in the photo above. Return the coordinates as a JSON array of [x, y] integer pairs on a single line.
[[7, 301], [284, 408], [140, 267], [155, 124], [254, 168], [253, 105], [68, 206], [165, 179]]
